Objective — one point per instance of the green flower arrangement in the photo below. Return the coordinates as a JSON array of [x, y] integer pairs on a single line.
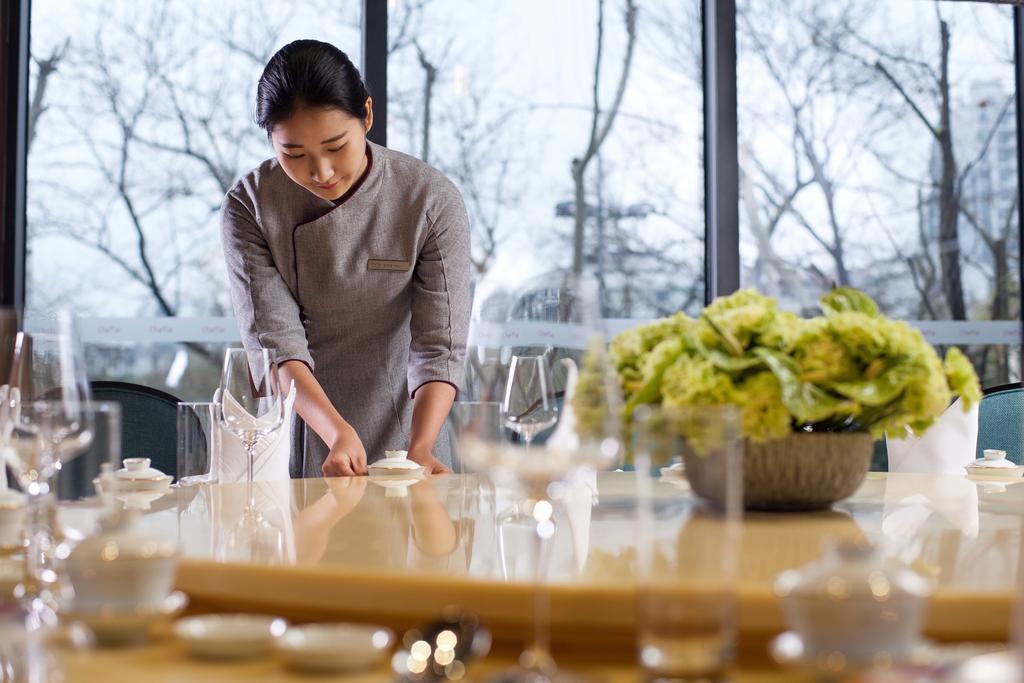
[[848, 370]]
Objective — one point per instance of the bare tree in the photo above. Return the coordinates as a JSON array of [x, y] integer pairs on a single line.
[[599, 129], [45, 68]]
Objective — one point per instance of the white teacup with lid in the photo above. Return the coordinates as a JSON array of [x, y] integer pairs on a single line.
[[12, 520], [995, 464], [121, 568], [854, 604], [395, 462], [138, 475]]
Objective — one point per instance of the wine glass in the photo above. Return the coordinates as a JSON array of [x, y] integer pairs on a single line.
[[528, 406], [251, 407]]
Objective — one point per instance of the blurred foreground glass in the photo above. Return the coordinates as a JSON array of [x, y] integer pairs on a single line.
[[687, 548], [538, 348], [45, 423], [199, 444], [77, 479], [482, 418]]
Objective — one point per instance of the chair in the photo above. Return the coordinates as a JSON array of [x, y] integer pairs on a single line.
[[999, 420], [149, 429], [879, 457]]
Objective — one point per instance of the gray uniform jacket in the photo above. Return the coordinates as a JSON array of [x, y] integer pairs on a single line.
[[372, 294]]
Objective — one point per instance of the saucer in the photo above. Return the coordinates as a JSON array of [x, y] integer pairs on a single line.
[[160, 484], [995, 473], [788, 649], [674, 470], [391, 467], [111, 627], [229, 636], [991, 667], [324, 648]]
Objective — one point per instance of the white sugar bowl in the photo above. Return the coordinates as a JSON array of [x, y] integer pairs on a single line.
[[121, 568], [855, 603], [12, 520]]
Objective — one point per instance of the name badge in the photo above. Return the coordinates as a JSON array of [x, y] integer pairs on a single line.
[[387, 264]]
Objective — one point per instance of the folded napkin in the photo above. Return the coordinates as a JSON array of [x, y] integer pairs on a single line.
[[947, 446], [273, 452]]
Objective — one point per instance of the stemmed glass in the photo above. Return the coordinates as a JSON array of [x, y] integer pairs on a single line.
[[558, 375], [528, 407], [46, 423], [251, 407]]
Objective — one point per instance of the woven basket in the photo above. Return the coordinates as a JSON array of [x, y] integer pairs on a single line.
[[804, 471]]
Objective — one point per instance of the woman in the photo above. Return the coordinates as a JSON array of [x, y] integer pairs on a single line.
[[351, 262]]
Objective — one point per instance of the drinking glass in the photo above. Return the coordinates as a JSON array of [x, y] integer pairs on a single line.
[[528, 406], [46, 422], [44, 437], [250, 404], [687, 553], [199, 443], [76, 478], [552, 370], [461, 418], [251, 407]]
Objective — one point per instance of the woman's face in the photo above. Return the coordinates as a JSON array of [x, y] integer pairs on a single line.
[[323, 149]]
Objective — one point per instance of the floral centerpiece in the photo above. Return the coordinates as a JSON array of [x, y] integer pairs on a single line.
[[850, 370]]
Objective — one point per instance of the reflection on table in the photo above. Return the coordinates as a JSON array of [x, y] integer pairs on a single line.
[[352, 547]]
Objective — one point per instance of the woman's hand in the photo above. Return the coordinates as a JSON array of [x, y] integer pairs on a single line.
[[431, 465], [347, 457]]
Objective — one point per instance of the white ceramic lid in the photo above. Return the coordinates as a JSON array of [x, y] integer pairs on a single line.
[[122, 538], [994, 459], [137, 469], [396, 455]]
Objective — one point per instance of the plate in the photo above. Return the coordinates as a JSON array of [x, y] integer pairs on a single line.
[[229, 636], [788, 649], [325, 648], [111, 627]]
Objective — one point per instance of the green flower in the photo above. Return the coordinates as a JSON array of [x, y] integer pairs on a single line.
[[850, 369], [859, 333], [765, 416], [961, 377], [695, 381]]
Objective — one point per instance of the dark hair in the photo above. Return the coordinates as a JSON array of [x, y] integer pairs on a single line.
[[308, 73]]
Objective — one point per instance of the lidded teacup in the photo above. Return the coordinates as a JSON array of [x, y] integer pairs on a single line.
[[855, 602]]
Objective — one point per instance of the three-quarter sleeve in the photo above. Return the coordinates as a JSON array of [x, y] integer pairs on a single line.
[[265, 309], [440, 298]]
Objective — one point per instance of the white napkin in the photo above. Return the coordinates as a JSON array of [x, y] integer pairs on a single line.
[[949, 445], [273, 452]]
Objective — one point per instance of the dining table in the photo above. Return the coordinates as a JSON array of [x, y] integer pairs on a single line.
[[400, 552]]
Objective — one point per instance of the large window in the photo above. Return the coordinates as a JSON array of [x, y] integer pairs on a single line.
[[878, 149], [141, 118], [526, 105]]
